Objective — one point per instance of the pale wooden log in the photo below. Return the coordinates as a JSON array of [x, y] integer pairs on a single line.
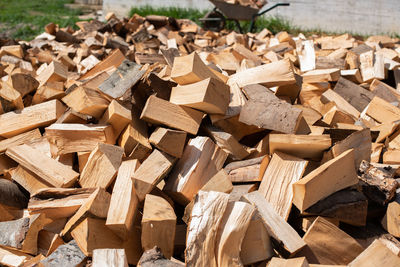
[[102, 166], [308, 221], [384, 91], [310, 115], [276, 226], [324, 75], [24, 83], [124, 202], [28, 180], [65, 255], [169, 141], [382, 111], [200, 161], [12, 96], [71, 137], [256, 245], [92, 234], [355, 95], [58, 203], [113, 60], [13, 258], [82, 159], [190, 69], [22, 234], [118, 116], [158, 225], [122, 80], [159, 111], [295, 262], [54, 72], [96, 205], [272, 74], [151, 172], [302, 146], [109, 257], [391, 219], [251, 170], [232, 229], [14, 50], [210, 96], [327, 244], [329, 178], [348, 206], [48, 169], [376, 254], [202, 231], [332, 96], [353, 75], [391, 157], [276, 185], [87, 101], [19, 139], [376, 151], [14, 123], [266, 111], [307, 56]]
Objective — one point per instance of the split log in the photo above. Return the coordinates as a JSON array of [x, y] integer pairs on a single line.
[[391, 219], [28, 180], [151, 172], [124, 202], [321, 75], [54, 72], [48, 242], [382, 111], [329, 178], [102, 166], [332, 96], [65, 255], [40, 115], [13, 258], [327, 244], [277, 227], [159, 111], [200, 161], [355, 95], [118, 116], [154, 258], [376, 254], [277, 183], [158, 225], [113, 60], [296, 262], [251, 170], [109, 257], [169, 141], [206, 217], [19, 139], [48, 169]]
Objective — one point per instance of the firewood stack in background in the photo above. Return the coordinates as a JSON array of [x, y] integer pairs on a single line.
[[151, 142]]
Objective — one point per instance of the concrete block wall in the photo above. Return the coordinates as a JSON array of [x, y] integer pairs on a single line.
[[354, 16]]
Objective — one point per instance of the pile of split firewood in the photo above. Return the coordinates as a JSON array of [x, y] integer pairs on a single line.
[[151, 142]]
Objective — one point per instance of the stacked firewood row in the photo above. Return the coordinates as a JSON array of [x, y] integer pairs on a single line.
[[151, 142]]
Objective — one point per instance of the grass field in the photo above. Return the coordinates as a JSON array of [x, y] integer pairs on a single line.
[[24, 19]]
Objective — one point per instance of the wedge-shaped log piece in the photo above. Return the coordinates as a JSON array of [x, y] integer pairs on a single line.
[[357, 96], [190, 69], [12, 201], [206, 217], [118, 116], [13, 258], [22, 234], [382, 111], [48, 242], [93, 234], [19, 139], [376, 255], [123, 79], [40, 115], [348, 206], [58, 203], [159, 111], [331, 96], [267, 111], [71, 137], [102, 166], [327, 179], [169, 141], [96, 205], [54, 72], [277, 183], [65, 255], [256, 245], [210, 96], [28, 180], [24, 83], [295, 262], [46, 168], [324, 75], [272, 74], [151, 172], [277, 227], [232, 230], [200, 161], [391, 220], [250, 170], [124, 202], [302, 146], [158, 225], [109, 257], [327, 244]]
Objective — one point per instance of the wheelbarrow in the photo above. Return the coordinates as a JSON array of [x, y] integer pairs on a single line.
[[215, 20]]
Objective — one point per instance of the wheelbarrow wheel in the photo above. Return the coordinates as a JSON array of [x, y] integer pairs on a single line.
[[214, 21]]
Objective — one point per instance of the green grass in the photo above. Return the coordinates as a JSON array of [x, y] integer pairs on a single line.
[[24, 19]]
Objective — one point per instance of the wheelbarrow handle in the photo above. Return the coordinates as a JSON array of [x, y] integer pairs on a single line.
[[265, 11]]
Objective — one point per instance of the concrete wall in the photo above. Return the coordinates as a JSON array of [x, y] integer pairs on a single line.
[[356, 16]]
